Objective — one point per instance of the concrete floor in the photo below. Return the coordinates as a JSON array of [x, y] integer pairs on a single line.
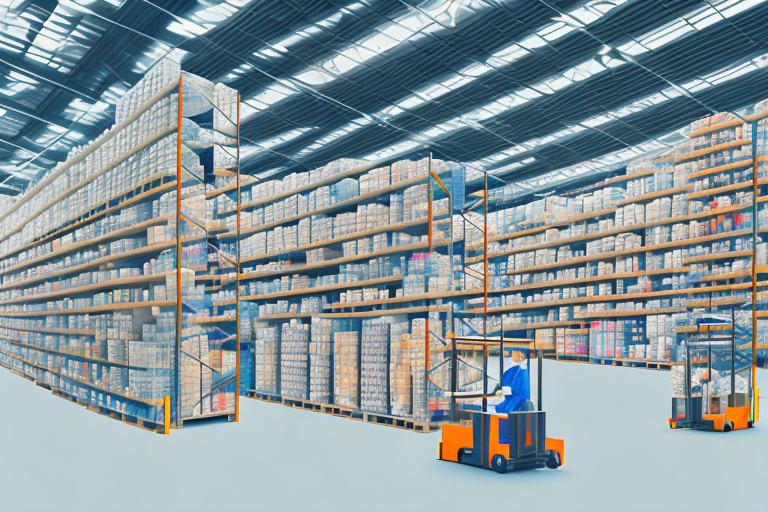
[[620, 455]]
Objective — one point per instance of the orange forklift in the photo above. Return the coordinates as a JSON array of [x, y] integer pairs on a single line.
[[513, 441], [704, 404]]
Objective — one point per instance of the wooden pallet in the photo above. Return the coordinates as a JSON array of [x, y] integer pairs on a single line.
[[128, 419], [348, 412], [125, 418], [639, 363], [608, 361], [565, 357]]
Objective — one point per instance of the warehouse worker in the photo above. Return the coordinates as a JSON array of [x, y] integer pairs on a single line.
[[515, 385]]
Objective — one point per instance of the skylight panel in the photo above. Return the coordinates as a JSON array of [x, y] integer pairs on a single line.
[[510, 167], [654, 40], [705, 18], [270, 172], [271, 143], [667, 35], [695, 85], [556, 31], [474, 70], [395, 149], [206, 18], [533, 42], [733, 7], [731, 74]]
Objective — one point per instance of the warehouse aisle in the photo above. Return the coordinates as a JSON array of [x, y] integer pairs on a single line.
[[613, 420]]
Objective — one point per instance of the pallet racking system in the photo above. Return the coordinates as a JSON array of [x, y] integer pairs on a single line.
[[343, 289], [359, 252], [562, 271], [99, 260]]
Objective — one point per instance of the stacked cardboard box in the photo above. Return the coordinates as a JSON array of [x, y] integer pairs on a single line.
[[374, 370], [294, 359], [346, 351], [266, 360], [320, 360]]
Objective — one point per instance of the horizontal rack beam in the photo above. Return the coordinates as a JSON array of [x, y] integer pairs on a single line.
[[294, 269], [83, 381], [614, 231], [74, 355], [635, 250], [159, 189], [102, 308], [361, 199], [91, 148], [101, 285], [712, 149]]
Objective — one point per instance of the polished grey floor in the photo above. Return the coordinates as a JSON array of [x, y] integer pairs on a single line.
[[620, 455]]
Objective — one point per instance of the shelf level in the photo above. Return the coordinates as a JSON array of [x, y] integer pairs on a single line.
[[88, 219], [91, 148], [423, 221], [613, 313], [647, 248], [294, 269], [361, 199], [74, 188], [655, 195], [720, 168], [321, 289], [614, 231], [712, 149], [102, 308], [73, 355], [84, 382], [114, 235], [102, 285]]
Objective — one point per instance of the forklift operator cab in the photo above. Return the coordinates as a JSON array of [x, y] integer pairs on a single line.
[[508, 441]]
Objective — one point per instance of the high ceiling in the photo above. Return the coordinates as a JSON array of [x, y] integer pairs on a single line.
[[520, 88]]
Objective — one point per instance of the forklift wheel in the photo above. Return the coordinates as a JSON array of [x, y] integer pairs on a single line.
[[728, 427], [553, 459], [499, 463]]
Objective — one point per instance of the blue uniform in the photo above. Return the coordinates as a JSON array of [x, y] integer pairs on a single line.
[[518, 379]]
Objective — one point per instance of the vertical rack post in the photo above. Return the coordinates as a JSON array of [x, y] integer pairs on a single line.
[[485, 300], [426, 323], [752, 398], [485, 376], [688, 383], [178, 258], [733, 358], [237, 274], [167, 415], [485, 262], [429, 201], [454, 378], [540, 364]]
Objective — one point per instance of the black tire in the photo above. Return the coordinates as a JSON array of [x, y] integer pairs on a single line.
[[460, 455], [553, 459], [499, 463], [727, 427]]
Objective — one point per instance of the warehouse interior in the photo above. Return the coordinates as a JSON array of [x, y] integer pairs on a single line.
[[316, 242]]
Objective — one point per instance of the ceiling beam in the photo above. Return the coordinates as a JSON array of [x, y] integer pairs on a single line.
[[22, 144], [53, 119], [49, 77]]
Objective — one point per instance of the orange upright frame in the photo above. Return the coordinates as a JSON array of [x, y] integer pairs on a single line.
[[178, 257]]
